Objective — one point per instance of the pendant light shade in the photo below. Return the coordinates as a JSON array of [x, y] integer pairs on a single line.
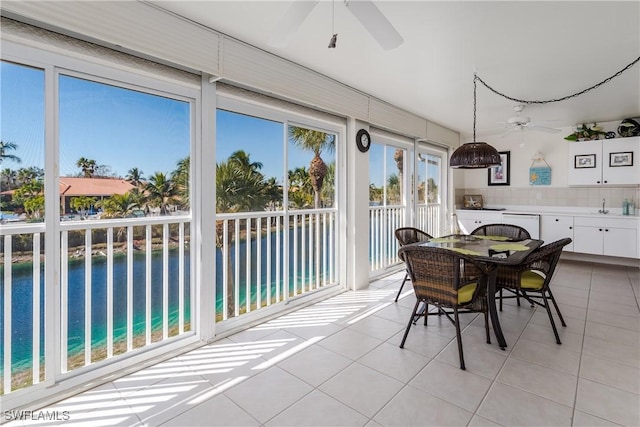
[[475, 155]]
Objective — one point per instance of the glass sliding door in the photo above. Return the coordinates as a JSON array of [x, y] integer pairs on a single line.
[[431, 190]]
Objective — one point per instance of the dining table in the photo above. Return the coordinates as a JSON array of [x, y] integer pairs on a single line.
[[490, 252]]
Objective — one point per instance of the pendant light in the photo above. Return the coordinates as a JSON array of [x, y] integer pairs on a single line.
[[475, 155]]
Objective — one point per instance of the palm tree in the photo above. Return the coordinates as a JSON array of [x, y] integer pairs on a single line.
[[161, 192], [88, 166], [316, 142], [393, 189], [398, 156], [135, 177], [180, 177], [82, 204], [8, 179], [241, 159], [119, 205], [300, 189], [239, 188], [4, 148]]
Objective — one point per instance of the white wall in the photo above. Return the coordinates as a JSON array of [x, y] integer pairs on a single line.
[[555, 149]]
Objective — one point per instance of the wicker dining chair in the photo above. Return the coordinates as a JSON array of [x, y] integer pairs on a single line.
[[510, 231], [513, 232], [438, 279], [532, 277], [406, 236]]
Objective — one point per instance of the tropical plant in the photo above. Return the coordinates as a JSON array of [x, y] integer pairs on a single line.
[[180, 177], [26, 175], [273, 191], [8, 179], [5, 147], [393, 190], [87, 166], [30, 196], [82, 204], [300, 188], [119, 205], [135, 177], [161, 192], [239, 188], [316, 142]]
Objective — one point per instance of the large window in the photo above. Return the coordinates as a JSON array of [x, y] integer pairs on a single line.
[[275, 226], [21, 202]]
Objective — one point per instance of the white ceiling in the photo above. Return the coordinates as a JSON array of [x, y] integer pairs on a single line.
[[527, 50]]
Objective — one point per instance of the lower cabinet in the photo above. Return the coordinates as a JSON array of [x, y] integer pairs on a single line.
[[470, 220], [606, 236], [556, 227]]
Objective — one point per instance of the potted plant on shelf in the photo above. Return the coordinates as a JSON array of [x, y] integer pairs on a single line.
[[586, 133]]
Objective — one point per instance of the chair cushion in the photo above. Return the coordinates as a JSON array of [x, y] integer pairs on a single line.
[[531, 280], [465, 293]]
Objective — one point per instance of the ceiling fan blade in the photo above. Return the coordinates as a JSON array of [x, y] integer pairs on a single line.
[[290, 22], [375, 22], [531, 126]]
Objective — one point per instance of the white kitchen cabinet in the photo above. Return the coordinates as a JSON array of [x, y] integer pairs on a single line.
[[603, 158], [556, 227], [469, 220], [613, 236]]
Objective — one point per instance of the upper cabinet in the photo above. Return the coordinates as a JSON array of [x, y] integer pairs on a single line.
[[605, 162]]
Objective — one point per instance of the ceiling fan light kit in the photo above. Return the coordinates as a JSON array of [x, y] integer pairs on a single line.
[[365, 11]]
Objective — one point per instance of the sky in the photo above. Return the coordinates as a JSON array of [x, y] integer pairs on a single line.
[[123, 129]]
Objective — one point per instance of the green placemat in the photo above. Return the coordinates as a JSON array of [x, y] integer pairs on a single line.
[[496, 238], [445, 240], [510, 247], [464, 251]]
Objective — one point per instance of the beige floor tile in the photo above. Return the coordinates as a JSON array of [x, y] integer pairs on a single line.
[[445, 381], [607, 402], [413, 407], [377, 327], [611, 373], [317, 409], [549, 355], [544, 335], [362, 388], [478, 421], [479, 359], [268, 393], [548, 383], [614, 319], [582, 419], [510, 406], [350, 343], [226, 413], [325, 363], [602, 349], [394, 361], [612, 334], [422, 341]]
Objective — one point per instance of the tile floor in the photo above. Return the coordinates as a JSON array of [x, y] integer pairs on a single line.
[[337, 363]]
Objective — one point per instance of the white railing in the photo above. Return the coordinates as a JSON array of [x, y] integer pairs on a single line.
[[267, 257], [384, 220], [428, 218], [383, 246], [126, 283]]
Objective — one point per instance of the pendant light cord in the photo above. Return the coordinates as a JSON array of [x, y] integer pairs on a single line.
[[547, 101]]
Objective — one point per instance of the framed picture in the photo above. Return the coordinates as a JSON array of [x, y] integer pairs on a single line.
[[499, 175], [584, 161], [473, 201], [621, 159]]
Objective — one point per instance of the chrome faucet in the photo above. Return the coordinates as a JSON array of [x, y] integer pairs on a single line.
[[603, 210]]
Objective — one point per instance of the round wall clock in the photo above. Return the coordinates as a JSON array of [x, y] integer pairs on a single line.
[[363, 140]]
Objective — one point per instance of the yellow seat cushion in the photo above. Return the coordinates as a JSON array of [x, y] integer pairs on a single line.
[[465, 293], [531, 280]]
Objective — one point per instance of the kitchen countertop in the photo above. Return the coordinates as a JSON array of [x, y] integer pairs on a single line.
[[556, 210]]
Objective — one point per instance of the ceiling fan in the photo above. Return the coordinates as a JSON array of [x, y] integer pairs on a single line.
[[364, 10], [523, 123]]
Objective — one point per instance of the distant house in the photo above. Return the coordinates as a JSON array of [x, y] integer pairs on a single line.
[[100, 188]]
